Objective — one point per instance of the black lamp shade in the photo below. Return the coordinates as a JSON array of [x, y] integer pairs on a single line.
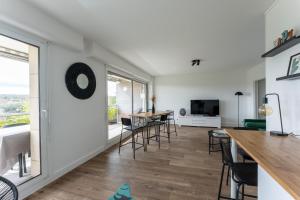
[[239, 93]]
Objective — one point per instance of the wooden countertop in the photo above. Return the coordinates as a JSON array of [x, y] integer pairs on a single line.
[[279, 156]]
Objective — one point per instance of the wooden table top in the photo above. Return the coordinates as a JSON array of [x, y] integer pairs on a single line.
[[279, 156], [150, 114]]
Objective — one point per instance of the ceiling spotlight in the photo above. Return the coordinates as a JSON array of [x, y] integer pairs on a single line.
[[196, 62]]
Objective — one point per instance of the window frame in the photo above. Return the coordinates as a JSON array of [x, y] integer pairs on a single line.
[[132, 79], [32, 184]]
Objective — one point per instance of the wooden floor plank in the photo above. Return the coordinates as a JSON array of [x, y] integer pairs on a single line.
[[180, 170]]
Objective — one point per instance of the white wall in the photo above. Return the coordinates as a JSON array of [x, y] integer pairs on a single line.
[[77, 128], [176, 91], [283, 15]]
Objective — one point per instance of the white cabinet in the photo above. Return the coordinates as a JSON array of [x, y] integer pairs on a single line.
[[199, 120]]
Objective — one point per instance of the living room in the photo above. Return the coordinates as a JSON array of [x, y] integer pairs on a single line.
[[176, 80]]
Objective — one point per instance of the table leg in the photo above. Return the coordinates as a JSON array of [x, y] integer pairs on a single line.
[[234, 156], [145, 139]]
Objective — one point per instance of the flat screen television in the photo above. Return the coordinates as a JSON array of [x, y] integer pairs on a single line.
[[205, 107]]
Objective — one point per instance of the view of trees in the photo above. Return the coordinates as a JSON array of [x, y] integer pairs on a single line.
[[14, 109], [112, 111]]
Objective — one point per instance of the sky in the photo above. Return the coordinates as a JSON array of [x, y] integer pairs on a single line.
[[14, 77]]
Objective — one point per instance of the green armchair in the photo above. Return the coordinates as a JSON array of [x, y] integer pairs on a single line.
[[255, 124]]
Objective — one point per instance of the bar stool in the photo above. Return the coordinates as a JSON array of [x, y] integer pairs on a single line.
[[128, 126], [242, 173], [216, 134], [171, 118]]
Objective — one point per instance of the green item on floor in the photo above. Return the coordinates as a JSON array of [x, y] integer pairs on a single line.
[[123, 193]]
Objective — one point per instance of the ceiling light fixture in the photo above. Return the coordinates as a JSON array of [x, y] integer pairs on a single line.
[[196, 62]]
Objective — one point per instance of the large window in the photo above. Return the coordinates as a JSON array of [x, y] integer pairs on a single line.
[[19, 110], [125, 96]]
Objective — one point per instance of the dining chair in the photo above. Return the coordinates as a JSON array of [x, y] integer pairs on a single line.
[[128, 126], [8, 191], [242, 173]]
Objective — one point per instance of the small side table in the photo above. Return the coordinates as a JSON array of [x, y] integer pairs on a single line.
[[219, 135]]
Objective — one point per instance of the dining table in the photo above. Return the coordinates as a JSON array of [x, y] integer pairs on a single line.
[[147, 117], [13, 142]]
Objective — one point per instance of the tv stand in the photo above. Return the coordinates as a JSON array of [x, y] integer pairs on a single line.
[[199, 120]]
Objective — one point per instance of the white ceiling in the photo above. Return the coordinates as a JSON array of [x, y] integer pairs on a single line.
[[162, 36]]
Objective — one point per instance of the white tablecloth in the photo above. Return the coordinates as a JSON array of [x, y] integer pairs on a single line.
[[13, 141]]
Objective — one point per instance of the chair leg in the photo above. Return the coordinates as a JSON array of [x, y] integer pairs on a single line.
[[120, 143], [143, 139], [175, 128], [20, 165], [168, 130], [228, 172], [148, 133], [133, 144], [221, 181], [243, 191], [209, 144], [156, 128], [24, 163], [237, 191], [137, 137], [159, 138]]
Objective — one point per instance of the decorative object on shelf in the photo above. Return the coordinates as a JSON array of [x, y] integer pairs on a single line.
[[182, 112], [153, 99], [266, 110], [293, 69], [285, 36], [294, 65], [80, 80], [277, 42], [282, 47], [239, 93]]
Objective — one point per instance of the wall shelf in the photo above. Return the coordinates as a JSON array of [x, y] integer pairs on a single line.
[[289, 77], [277, 50]]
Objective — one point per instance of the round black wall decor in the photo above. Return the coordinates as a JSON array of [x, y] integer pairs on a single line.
[[80, 80]]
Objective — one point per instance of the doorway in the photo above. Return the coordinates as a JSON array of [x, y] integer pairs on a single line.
[[260, 92]]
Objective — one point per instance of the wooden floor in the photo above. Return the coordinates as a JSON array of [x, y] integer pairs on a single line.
[[177, 171]]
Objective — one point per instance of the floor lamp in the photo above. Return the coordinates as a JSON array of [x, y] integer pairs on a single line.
[[238, 94]]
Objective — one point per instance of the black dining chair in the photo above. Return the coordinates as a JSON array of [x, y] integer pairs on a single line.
[[128, 126], [242, 173], [8, 191]]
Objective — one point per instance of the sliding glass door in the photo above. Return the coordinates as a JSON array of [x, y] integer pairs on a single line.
[[124, 96], [20, 156]]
